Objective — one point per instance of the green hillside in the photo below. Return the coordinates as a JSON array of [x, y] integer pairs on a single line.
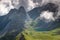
[[36, 35], [31, 34]]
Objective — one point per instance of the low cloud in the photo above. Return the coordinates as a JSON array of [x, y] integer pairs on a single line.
[[5, 6], [47, 16]]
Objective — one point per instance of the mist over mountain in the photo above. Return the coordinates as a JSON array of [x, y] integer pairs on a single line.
[[40, 15], [48, 7], [15, 19], [45, 16]]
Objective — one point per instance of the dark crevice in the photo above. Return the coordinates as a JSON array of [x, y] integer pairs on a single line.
[[22, 37]]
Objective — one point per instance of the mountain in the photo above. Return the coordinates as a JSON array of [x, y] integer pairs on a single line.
[[14, 22], [41, 25]]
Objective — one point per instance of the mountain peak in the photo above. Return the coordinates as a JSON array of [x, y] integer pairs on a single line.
[[51, 7], [21, 9], [13, 10]]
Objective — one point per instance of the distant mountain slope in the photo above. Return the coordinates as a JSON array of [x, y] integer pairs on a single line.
[[35, 12]]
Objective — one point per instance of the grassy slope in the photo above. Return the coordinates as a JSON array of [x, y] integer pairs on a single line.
[[35, 35], [31, 34]]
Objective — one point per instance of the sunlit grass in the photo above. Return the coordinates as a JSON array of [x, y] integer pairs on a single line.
[[31, 34], [36, 35]]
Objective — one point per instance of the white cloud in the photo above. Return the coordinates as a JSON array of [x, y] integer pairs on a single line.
[[31, 4], [3, 10], [48, 16], [5, 6], [15, 2]]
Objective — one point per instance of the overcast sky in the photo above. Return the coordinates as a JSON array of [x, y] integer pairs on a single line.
[[7, 5]]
